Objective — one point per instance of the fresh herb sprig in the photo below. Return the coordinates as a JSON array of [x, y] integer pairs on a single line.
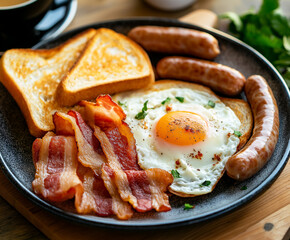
[[268, 31], [205, 183], [210, 104], [143, 113], [180, 99], [167, 100], [244, 187], [188, 206], [121, 103], [175, 173], [237, 133]]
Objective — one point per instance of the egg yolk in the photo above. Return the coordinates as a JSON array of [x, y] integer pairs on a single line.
[[181, 128]]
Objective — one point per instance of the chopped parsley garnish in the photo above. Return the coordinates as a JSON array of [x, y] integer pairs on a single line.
[[143, 113], [211, 104], [140, 115], [175, 173], [145, 106], [188, 206], [244, 187], [167, 100], [205, 183], [120, 103], [180, 99], [238, 133]]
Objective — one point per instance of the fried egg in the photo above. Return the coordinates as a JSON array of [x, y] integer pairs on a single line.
[[185, 129]]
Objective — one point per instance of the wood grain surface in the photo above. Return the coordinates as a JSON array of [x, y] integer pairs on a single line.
[[266, 217]]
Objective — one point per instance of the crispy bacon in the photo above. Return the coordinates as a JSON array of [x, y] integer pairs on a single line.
[[95, 198], [140, 188], [97, 165], [159, 182], [89, 152], [109, 117], [122, 209], [55, 159], [143, 189]]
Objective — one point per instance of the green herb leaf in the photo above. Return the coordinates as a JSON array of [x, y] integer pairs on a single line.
[[244, 187], [280, 24], [142, 114], [236, 20], [145, 106], [167, 100], [188, 206], [268, 6], [268, 31], [211, 103], [180, 99], [286, 43], [205, 183], [286, 77], [120, 103], [283, 61], [238, 133], [175, 173], [259, 38]]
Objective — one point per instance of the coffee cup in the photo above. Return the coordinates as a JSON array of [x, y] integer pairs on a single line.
[[17, 19], [14, 13]]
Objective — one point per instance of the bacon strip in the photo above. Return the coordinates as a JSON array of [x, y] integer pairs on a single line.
[[96, 198], [89, 152], [122, 209], [138, 187], [109, 117], [55, 159]]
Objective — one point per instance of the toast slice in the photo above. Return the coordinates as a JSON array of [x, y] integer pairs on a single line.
[[110, 63], [32, 76]]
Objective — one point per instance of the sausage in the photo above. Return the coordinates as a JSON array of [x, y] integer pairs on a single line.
[[176, 40], [261, 145], [218, 77]]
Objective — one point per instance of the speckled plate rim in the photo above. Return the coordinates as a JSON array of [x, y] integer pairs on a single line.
[[105, 222]]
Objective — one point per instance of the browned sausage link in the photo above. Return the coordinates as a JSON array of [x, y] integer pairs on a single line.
[[261, 145], [218, 77], [176, 40]]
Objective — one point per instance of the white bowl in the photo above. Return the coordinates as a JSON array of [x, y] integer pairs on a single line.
[[170, 5]]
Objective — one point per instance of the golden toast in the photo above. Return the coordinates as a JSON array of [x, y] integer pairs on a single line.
[[32, 76], [91, 63], [110, 63]]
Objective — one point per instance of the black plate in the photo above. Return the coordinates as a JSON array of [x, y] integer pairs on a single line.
[[57, 18], [16, 142]]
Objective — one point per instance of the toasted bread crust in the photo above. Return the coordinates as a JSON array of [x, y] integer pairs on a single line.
[[16, 62], [243, 111], [20, 98], [67, 96]]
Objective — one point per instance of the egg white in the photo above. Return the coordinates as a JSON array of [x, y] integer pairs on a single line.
[[219, 144]]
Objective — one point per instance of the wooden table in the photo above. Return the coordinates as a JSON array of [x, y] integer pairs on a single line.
[[270, 221]]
